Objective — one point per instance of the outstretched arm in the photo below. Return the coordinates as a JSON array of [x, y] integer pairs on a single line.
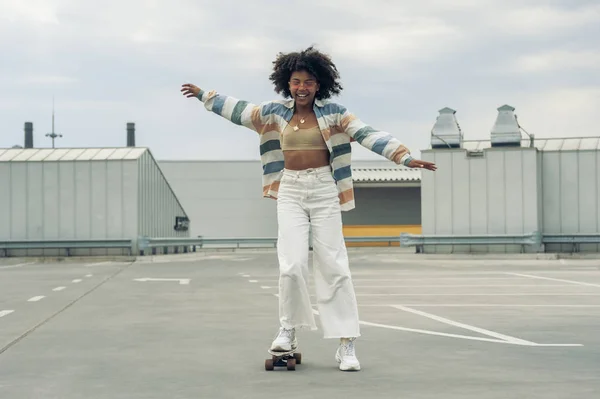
[[240, 112], [380, 142]]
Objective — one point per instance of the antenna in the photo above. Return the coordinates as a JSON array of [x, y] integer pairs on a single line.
[[53, 135]]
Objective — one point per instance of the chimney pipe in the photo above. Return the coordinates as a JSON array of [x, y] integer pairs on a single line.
[[28, 135], [130, 134]]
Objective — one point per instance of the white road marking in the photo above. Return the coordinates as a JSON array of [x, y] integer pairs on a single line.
[[245, 275], [5, 312], [89, 275], [462, 286], [98, 264], [404, 280], [264, 287], [182, 281], [489, 294], [16, 266], [477, 305], [467, 337], [35, 298], [463, 325], [59, 288], [77, 281], [253, 281], [554, 279]]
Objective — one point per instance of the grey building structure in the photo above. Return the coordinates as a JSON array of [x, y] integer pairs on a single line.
[[510, 185], [85, 194], [224, 198]]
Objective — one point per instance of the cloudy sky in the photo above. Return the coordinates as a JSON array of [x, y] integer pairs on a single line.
[[112, 62]]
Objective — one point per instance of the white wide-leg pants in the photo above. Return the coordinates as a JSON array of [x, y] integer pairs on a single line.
[[310, 198]]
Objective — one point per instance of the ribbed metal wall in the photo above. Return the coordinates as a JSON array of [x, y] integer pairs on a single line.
[[493, 194], [84, 194], [158, 206], [67, 200], [571, 192]]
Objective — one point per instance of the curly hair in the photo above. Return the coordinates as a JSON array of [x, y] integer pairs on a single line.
[[314, 62]]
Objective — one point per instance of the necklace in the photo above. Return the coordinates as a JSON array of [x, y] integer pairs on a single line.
[[301, 122]]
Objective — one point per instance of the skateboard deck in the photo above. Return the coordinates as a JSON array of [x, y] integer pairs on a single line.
[[288, 359]]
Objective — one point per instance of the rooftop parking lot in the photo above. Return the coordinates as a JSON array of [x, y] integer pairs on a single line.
[[199, 326]]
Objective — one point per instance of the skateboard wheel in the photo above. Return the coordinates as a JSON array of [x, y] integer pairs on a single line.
[[298, 357], [291, 364], [269, 364]]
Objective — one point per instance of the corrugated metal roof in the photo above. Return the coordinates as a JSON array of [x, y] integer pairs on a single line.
[[70, 154], [389, 174], [549, 144]]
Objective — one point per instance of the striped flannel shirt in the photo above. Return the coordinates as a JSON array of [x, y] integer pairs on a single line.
[[338, 126]]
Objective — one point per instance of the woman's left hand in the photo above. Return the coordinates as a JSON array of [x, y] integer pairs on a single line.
[[416, 163]]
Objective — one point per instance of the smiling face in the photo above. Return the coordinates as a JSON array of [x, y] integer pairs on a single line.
[[303, 87]]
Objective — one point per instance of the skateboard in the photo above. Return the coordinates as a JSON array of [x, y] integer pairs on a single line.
[[287, 359]]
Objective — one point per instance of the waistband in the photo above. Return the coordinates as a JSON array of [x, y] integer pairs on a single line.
[[310, 171]]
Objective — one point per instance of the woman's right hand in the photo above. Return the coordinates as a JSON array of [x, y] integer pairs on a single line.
[[189, 90]]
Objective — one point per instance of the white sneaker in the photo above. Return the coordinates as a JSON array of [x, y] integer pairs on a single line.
[[346, 355], [285, 340]]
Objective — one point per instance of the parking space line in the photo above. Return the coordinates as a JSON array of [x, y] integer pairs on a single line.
[[554, 279], [36, 298], [5, 312], [463, 325], [16, 266], [463, 286], [493, 294], [476, 305]]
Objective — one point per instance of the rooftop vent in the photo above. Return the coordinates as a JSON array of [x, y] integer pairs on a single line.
[[506, 131], [446, 132]]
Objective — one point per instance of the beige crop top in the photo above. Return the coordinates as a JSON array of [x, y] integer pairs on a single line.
[[302, 139]]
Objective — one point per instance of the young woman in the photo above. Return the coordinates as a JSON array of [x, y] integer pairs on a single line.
[[305, 154]]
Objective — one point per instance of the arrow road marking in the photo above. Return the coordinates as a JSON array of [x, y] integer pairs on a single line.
[[182, 281]]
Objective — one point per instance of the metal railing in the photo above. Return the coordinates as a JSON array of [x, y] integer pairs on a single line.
[[404, 240], [574, 239], [419, 241], [67, 245], [191, 244]]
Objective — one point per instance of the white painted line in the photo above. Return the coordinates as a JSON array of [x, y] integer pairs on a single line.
[[463, 325], [182, 281], [463, 286], [77, 281], [16, 266], [89, 275], [5, 312], [467, 337], [245, 275], [555, 279], [35, 298], [264, 287], [488, 294], [253, 281], [59, 288], [477, 305], [98, 264]]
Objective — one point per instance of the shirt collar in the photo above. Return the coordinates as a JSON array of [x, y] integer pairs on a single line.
[[291, 102]]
